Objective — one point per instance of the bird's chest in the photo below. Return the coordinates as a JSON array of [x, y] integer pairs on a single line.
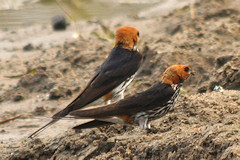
[[163, 109]]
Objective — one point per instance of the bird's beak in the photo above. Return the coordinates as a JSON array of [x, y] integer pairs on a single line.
[[192, 73]]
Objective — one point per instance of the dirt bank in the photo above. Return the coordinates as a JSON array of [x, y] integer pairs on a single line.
[[38, 81]]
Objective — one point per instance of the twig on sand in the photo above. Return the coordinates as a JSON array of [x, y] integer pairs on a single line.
[[9, 119]]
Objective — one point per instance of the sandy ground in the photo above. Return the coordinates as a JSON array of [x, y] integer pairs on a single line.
[[41, 78]]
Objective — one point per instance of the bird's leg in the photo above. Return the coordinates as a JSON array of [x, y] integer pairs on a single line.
[[143, 123], [148, 126], [152, 130], [142, 120]]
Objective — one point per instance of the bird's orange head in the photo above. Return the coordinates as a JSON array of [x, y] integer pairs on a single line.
[[176, 74], [126, 37]]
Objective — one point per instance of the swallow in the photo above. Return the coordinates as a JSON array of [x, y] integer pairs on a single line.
[[112, 77], [141, 108]]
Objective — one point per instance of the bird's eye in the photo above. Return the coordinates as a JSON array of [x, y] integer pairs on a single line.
[[138, 34], [186, 69]]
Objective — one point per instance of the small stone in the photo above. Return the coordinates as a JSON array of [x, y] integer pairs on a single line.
[[202, 89], [68, 92], [28, 47], [41, 110], [18, 98], [55, 94], [173, 29], [59, 22], [220, 61]]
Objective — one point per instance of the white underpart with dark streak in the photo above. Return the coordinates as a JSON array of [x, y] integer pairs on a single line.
[[118, 93], [159, 112], [142, 118]]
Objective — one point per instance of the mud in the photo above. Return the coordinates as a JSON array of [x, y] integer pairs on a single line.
[[204, 124]]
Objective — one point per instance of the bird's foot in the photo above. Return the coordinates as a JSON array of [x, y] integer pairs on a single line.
[[152, 130]]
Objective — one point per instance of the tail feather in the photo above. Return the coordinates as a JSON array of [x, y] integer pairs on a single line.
[[79, 102], [63, 112], [92, 124], [43, 128]]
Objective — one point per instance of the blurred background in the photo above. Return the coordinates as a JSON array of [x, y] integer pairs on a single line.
[[25, 12]]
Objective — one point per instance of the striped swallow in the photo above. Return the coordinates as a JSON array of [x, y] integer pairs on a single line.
[[142, 107], [112, 77]]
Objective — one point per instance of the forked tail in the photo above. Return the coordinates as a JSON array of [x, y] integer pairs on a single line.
[[43, 128], [92, 124]]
